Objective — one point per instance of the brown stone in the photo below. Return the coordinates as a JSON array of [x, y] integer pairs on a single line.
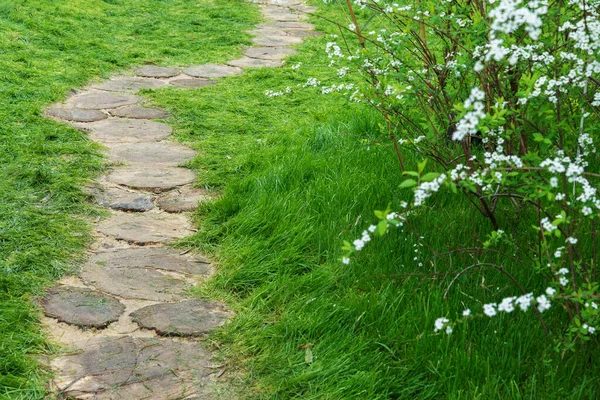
[[133, 369], [163, 258], [126, 130], [211, 71], [287, 25], [145, 228], [151, 153], [76, 115], [153, 71], [155, 179], [247, 62], [269, 53], [304, 34], [139, 112], [82, 307], [121, 199], [187, 318], [101, 100], [182, 199], [129, 84], [276, 41], [191, 83]]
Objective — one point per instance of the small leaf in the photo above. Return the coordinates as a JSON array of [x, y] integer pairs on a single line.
[[421, 166], [410, 173], [428, 177], [308, 356], [408, 183], [380, 214], [381, 227]]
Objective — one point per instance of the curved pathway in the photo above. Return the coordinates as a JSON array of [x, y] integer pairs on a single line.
[[129, 329]]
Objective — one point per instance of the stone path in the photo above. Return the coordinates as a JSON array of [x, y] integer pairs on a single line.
[[128, 327]]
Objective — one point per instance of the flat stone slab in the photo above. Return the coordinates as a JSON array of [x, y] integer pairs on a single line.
[[287, 25], [129, 84], [134, 283], [304, 34], [212, 71], [76, 115], [133, 369], [187, 318], [182, 199], [269, 53], [121, 199], [83, 307], [154, 179], [247, 62], [151, 153], [153, 71], [276, 41], [267, 32], [128, 130], [191, 83], [145, 228], [139, 112], [101, 100], [162, 258]]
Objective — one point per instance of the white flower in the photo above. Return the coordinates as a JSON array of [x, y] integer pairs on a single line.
[[466, 313], [571, 240], [506, 304], [524, 301], [554, 181], [372, 228], [448, 330], [563, 281], [439, 324], [352, 27], [489, 309], [550, 291], [563, 271], [542, 303], [346, 260]]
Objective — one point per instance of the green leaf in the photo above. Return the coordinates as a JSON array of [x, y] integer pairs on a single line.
[[428, 177], [421, 166], [381, 227], [347, 246], [408, 183], [380, 214], [410, 173], [308, 356]]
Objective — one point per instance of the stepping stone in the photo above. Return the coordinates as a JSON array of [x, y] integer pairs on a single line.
[[162, 258], [191, 83], [287, 25], [121, 199], [212, 71], [145, 228], [268, 53], [153, 71], [276, 41], [101, 100], [130, 84], [267, 32], [183, 199], [134, 283], [151, 153], [305, 9], [154, 179], [76, 115], [134, 369], [304, 34], [247, 62], [83, 307], [139, 112], [282, 17], [126, 130], [188, 318]]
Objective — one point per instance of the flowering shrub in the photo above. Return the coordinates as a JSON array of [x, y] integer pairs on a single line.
[[500, 100]]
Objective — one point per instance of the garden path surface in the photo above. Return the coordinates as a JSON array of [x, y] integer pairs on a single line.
[[129, 330]]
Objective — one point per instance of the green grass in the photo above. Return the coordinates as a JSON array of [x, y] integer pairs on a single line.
[[300, 173], [48, 48]]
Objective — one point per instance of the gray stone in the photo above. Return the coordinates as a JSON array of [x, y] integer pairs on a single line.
[[247, 62], [182, 199], [121, 199], [191, 83], [82, 307], [127, 130], [163, 258], [276, 41], [187, 318], [269, 53], [145, 228], [76, 115], [154, 179], [287, 25], [129, 84], [282, 16], [211, 71], [304, 34], [139, 112], [101, 100], [133, 369], [153, 71], [151, 153], [134, 283], [267, 32], [304, 8]]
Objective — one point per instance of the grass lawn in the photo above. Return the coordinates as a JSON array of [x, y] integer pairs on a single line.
[[49, 47], [300, 173]]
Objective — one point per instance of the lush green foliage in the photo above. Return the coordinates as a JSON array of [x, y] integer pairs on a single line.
[[303, 171], [50, 47]]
